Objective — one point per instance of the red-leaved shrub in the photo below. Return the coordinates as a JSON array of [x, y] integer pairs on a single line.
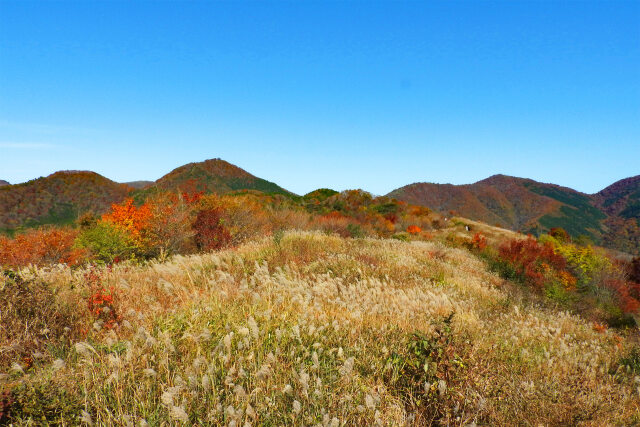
[[210, 232], [531, 259]]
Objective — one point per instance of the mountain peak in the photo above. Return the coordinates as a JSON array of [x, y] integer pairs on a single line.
[[216, 176]]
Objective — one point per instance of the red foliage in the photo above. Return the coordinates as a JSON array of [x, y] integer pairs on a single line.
[[532, 259], [40, 247], [634, 270], [101, 302], [627, 294], [414, 229], [210, 232], [479, 241], [192, 198]]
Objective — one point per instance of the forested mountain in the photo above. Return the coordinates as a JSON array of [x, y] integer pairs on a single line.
[[610, 216]]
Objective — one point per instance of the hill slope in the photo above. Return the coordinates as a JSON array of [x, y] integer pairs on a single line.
[[57, 199], [517, 203], [313, 330], [621, 198], [215, 176], [3, 183], [138, 185]]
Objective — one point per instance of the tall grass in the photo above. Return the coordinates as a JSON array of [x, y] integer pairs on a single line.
[[314, 329]]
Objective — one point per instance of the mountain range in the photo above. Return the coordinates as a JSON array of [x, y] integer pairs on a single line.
[[610, 217], [62, 197]]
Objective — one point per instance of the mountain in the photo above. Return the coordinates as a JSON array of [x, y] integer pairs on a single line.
[[621, 198], [57, 199], [139, 185], [535, 207], [215, 176], [3, 183], [61, 197]]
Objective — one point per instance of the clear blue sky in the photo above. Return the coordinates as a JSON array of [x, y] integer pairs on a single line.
[[356, 94]]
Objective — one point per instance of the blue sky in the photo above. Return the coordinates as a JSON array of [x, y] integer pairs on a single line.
[[371, 95]]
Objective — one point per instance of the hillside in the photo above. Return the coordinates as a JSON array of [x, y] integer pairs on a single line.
[[621, 199], [530, 206], [215, 176], [2, 183], [57, 199], [138, 185], [311, 329]]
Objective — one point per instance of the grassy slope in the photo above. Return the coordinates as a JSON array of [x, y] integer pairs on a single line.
[[267, 334]]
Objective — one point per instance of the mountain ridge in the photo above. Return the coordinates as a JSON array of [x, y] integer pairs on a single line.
[[527, 205]]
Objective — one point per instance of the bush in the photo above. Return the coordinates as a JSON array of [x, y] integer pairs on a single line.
[[532, 260], [32, 319], [403, 236], [355, 230], [414, 229], [40, 247], [107, 242], [44, 404], [210, 232], [422, 374]]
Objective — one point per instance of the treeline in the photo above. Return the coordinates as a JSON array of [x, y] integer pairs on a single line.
[[168, 223]]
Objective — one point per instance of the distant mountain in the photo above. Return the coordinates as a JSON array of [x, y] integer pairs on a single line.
[[57, 199], [621, 198], [215, 176], [535, 207], [138, 185], [61, 197], [3, 183]]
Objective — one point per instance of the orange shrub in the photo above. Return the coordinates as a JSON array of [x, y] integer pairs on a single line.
[[479, 241], [531, 259], [414, 229], [41, 247], [135, 220]]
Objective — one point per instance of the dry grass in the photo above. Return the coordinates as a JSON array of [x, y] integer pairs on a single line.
[[302, 331]]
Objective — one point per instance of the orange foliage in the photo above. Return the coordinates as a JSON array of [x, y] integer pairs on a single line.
[[478, 242], [414, 229], [134, 220], [599, 327], [40, 247]]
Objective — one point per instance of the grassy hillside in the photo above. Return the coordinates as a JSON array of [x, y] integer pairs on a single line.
[[309, 329], [3, 182], [57, 199]]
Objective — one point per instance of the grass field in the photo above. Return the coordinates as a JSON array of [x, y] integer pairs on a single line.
[[306, 329]]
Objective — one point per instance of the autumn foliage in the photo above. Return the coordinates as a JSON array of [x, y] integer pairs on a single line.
[[479, 242], [414, 229], [210, 231], [41, 247], [532, 260], [134, 220], [101, 301]]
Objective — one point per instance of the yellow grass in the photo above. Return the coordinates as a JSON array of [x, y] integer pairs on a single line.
[[301, 332]]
